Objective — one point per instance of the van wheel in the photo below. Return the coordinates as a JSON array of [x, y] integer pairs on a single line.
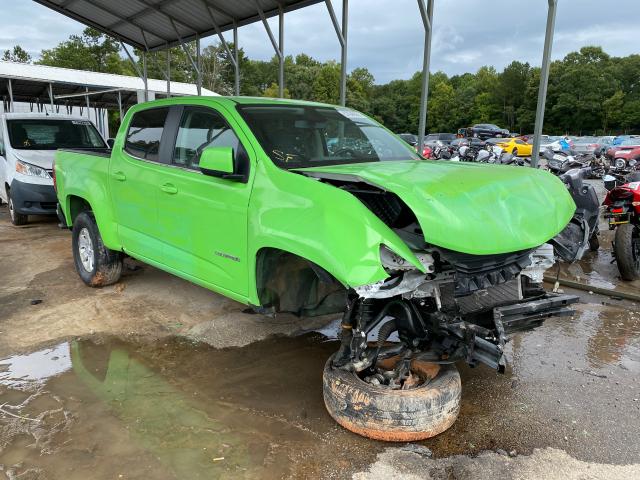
[[96, 264], [381, 413], [16, 218], [627, 250]]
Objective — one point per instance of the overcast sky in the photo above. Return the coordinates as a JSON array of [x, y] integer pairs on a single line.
[[386, 36]]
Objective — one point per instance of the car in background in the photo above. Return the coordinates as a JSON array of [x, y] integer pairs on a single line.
[[28, 144], [439, 139], [516, 147], [594, 145], [486, 130], [627, 144], [621, 138], [409, 138]]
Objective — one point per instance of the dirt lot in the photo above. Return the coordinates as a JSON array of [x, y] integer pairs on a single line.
[[158, 378]]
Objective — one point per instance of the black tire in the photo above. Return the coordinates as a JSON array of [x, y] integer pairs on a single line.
[[16, 218], [594, 243], [627, 250], [514, 152], [393, 415], [99, 266]]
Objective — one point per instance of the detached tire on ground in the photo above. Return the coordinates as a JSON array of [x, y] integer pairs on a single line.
[[393, 415], [96, 264], [627, 249]]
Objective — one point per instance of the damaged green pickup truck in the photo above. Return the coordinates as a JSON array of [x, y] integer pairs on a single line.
[[298, 207]]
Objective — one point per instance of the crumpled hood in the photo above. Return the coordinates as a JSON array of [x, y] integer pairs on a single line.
[[39, 158], [471, 208]]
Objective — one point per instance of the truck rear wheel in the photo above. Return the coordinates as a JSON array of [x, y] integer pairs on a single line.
[[627, 250], [96, 264], [382, 413]]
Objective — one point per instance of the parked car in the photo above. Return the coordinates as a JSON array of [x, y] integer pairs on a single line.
[[439, 139], [243, 197], [410, 138], [516, 147], [28, 143], [486, 130], [628, 144], [594, 145]]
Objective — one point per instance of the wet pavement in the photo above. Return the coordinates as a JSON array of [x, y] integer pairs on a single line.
[[179, 409], [129, 382]]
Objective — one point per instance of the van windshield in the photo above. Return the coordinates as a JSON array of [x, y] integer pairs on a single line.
[[52, 134], [298, 136]]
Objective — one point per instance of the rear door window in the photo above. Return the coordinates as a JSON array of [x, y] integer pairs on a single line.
[[145, 134]]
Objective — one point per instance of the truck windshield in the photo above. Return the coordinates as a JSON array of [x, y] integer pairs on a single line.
[[297, 136], [51, 134]]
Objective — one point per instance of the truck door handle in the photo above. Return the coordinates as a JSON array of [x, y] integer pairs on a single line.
[[169, 188], [120, 176]]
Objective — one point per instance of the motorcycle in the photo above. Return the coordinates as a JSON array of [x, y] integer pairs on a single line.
[[561, 162], [582, 232], [623, 212]]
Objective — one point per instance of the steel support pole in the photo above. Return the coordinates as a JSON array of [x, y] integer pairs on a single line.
[[427, 20], [275, 45], [281, 46], [86, 89], [343, 60], [120, 105], [145, 76], [51, 95], [10, 95], [168, 72], [544, 82], [199, 64], [237, 61]]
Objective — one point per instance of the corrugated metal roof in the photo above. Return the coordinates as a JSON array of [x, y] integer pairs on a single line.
[[157, 24], [31, 84]]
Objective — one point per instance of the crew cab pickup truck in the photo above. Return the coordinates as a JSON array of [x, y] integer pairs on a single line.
[[291, 206]]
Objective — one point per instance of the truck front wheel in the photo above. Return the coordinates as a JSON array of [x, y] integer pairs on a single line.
[[405, 415], [96, 264]]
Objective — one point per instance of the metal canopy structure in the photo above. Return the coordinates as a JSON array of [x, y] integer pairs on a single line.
[[152, 25], [157, 24]]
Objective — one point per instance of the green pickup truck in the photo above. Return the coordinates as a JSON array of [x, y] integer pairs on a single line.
[[290, 206]]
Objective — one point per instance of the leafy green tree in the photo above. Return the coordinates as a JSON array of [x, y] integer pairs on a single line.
[[92, 51], [17, 54]]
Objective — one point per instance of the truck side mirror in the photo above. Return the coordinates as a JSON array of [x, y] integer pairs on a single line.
[[217, 161]]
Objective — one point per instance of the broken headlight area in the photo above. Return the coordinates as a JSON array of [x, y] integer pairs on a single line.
[[463, 308]]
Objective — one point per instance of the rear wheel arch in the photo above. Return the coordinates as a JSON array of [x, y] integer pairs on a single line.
[[287, 282], [76, 205]]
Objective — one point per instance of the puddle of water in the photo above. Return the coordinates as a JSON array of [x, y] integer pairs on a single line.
[[174, 410]]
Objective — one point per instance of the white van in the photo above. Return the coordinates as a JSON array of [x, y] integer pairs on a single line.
[[28, 143]]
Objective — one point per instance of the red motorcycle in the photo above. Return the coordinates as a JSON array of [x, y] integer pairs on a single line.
[[623, 212]]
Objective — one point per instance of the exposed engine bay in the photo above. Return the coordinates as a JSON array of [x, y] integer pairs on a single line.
[[463, 307]]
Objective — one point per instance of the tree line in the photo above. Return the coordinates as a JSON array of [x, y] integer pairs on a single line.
[[590, 92]]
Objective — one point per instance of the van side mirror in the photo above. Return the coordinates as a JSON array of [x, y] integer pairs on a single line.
[[111, 142], [218, 162]]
